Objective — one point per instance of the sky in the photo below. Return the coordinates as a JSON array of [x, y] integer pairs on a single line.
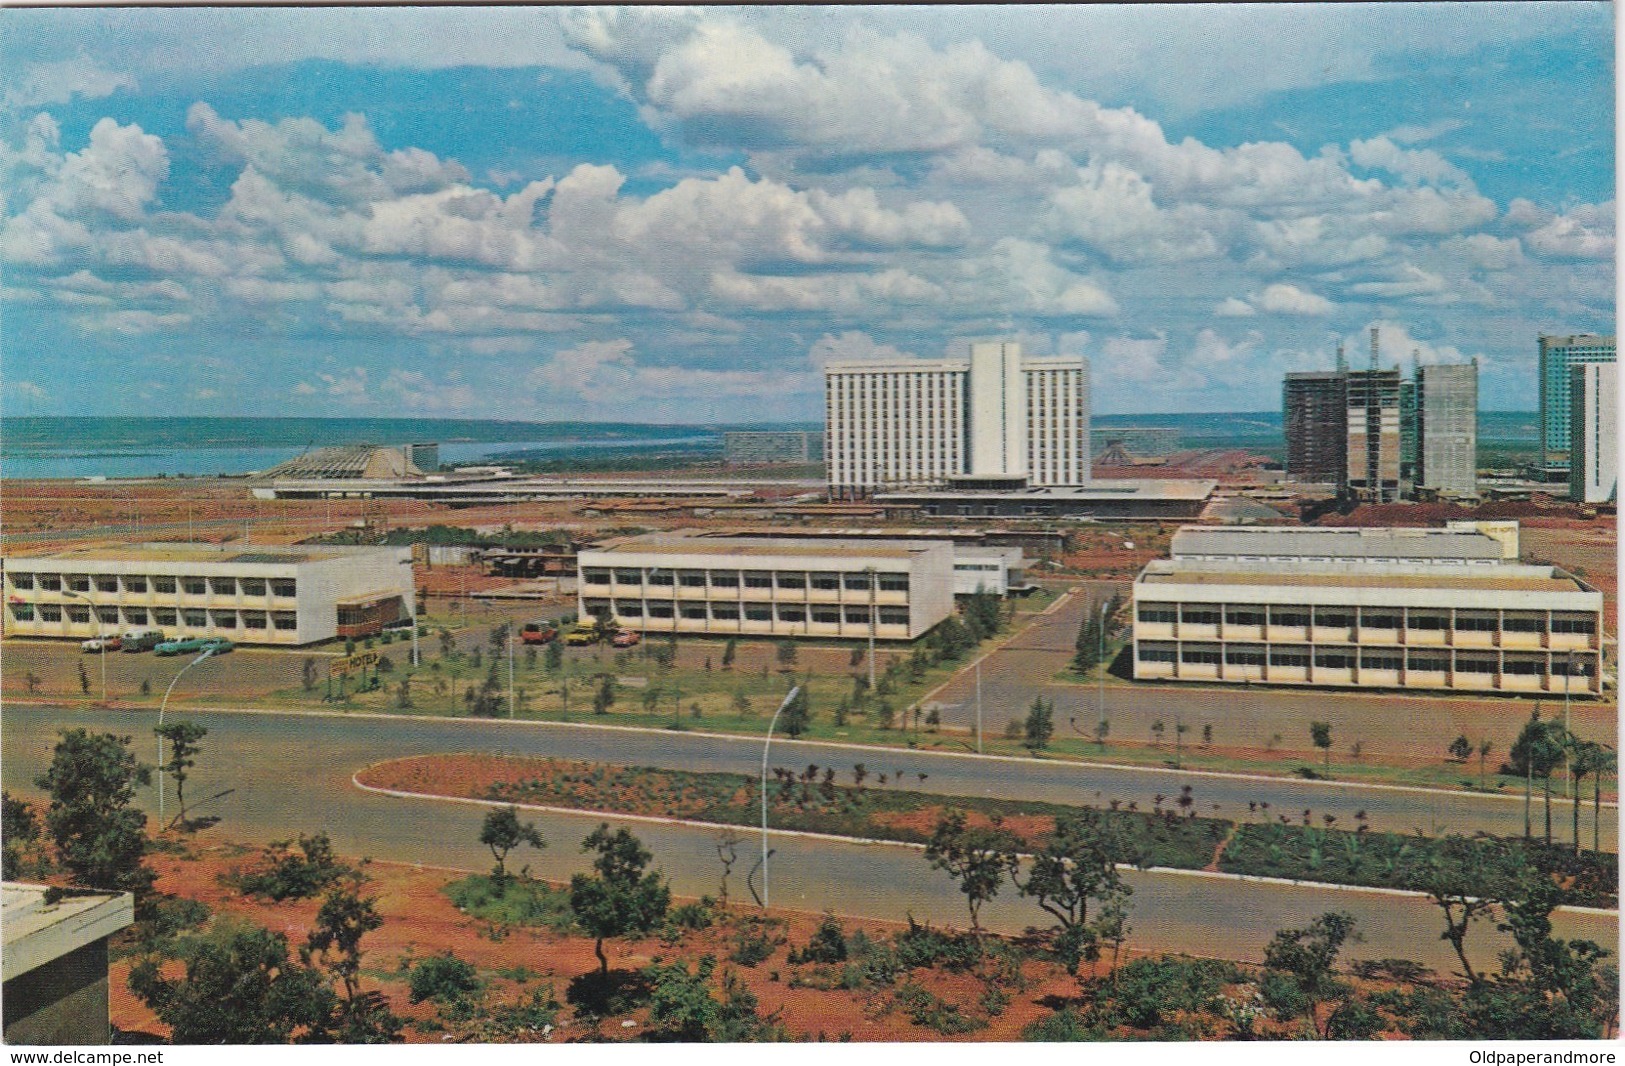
[[680, 214]]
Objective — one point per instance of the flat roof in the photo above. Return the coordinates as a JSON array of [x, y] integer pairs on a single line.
[[1511, 578], [207, 553], [1124, 489], [1348, 543], [757, 547], [36, 932]]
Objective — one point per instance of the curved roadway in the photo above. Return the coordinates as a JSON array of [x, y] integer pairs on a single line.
[[290, 774]]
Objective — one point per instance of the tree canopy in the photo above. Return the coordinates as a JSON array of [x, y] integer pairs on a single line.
[[620, 899]]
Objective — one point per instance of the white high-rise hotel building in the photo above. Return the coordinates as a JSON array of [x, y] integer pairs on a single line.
[[914, 422]]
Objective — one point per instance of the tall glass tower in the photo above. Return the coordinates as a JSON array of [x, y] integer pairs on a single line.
[[1557, 356]]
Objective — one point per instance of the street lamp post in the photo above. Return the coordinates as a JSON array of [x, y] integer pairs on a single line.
[[765, 745], [1568, 771], [165, 703], [100, 637], [874, 595], [510, 671], [1100, 698]]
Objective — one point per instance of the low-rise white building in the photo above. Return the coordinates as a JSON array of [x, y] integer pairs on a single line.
[[1502, 628], [988, 569], [769, 587], [1460, 544], [253, 595]]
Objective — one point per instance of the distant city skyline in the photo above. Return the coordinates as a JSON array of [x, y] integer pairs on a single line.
[[681, 215]]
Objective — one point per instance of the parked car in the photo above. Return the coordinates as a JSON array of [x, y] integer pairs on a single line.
[[181, 646], [626, 638], [96, 644], [586, 633], [143, 642], [218, 645], [538, 633]]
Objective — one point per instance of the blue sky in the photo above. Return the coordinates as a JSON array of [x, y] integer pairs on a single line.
[[680, 214]]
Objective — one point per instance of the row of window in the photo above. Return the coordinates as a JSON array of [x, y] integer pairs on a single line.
[[160, 617], [1366, 660], [1369, 618], [759, 612], [140, 583], [823, 581]]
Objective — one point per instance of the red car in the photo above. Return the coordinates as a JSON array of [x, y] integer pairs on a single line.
[[538, 633], [626, 638]]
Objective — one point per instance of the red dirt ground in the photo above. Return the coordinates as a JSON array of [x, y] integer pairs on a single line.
[[421, 921]]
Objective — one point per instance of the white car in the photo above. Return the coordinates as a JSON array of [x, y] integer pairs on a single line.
[[101, 644]]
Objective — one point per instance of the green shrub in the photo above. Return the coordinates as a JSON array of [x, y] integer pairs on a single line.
[[283, 874], [1283, 995], [1064, 1026], [938, 1015], [166, 918], [516, 901], [1354, 1019], [755, 940], [442, 978], [828, 943], [690, 916], [921, 945], [1148, 992]]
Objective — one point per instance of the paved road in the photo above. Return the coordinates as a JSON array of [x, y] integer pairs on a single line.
[[1397, 726], [292, 774]]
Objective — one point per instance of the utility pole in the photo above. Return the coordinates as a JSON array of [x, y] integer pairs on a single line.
[[510, 671], [874, 580], [978, 706]]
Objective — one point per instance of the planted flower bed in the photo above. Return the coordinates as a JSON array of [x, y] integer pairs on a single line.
[[857, 804], [1395, 860]]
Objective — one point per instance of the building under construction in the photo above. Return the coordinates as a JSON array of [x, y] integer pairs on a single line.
[[1377, 437], [1315, 416], [1373, 435]]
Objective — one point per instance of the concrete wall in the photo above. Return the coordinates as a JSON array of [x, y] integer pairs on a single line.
[[61, 1002]]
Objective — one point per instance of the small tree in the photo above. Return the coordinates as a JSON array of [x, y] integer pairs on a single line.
[[183, 740], [604, 698], [786, 654], [977, 859], [17, 827], [307, 673], [1321, 734], [741, 703], [555, 657], [502, 832], [84, 681], [1307, 957], [797, 714], [1103, 729], [1461, 749], [98, 836], [1077, 867], [620, 899], [728, 854], [729, 650], [240, 987], [1485, 746], [344, 918], [1039, 726]]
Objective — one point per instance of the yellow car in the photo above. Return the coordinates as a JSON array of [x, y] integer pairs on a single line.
[[585, 635]]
